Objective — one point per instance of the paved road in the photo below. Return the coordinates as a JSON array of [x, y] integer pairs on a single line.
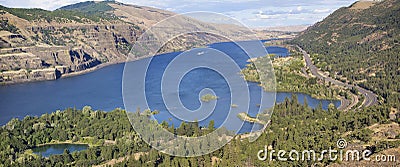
[[370, 97]]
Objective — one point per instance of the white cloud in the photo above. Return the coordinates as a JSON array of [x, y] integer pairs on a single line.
[[322, 10], [43, 4], [251, 12]]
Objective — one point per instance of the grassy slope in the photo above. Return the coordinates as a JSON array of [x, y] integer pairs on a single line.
[[360, 45]]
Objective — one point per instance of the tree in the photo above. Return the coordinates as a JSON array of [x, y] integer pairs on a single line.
[[211, 126]]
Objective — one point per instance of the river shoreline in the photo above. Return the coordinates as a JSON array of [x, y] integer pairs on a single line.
[[102, 65], [72, 74], [63, 142]]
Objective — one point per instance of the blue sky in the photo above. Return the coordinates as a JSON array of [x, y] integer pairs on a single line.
[[253, 13]]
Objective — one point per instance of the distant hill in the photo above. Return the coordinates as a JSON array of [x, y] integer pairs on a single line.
[[89, 6], [293, 28], [360, 43]]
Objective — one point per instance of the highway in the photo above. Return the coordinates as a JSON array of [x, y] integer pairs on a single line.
[[370, 97]]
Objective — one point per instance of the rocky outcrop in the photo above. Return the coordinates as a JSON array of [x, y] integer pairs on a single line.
[[29, 75], [48, 63]]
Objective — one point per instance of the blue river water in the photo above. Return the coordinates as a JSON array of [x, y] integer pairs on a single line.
[[102, 90]]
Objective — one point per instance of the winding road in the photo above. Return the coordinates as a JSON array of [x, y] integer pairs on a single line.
[[370, 97]]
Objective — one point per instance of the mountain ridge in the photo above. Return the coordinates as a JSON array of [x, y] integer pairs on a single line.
[[359, 46]]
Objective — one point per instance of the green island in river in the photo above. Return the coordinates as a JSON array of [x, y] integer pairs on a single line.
[[208, 98]]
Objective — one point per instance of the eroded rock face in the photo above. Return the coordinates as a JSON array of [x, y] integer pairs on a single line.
[[52, 51], [29, 75], [44, 63]]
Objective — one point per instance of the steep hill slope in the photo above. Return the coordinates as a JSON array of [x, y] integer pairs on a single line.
[[360, 44], [36, 44]]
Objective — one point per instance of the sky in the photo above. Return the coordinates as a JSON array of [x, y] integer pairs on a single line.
[[252, 13]]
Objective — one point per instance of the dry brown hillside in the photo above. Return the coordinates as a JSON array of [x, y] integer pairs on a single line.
[[36, 44]]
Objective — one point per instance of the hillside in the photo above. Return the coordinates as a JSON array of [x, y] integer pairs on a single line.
[[36, 44], [359, 44]]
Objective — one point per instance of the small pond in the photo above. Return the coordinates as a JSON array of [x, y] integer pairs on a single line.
[[53, 149]]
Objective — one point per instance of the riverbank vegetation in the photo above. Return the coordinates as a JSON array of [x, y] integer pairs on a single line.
[[291, 76]]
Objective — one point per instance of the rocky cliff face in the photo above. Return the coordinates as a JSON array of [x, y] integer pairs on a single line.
[[75, 48], [46, 49]]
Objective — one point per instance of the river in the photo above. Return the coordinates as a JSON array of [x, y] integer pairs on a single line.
[[102, 89]]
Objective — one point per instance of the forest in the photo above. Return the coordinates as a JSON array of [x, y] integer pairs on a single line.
[[360, 47], [81, 12], [293, 126]]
